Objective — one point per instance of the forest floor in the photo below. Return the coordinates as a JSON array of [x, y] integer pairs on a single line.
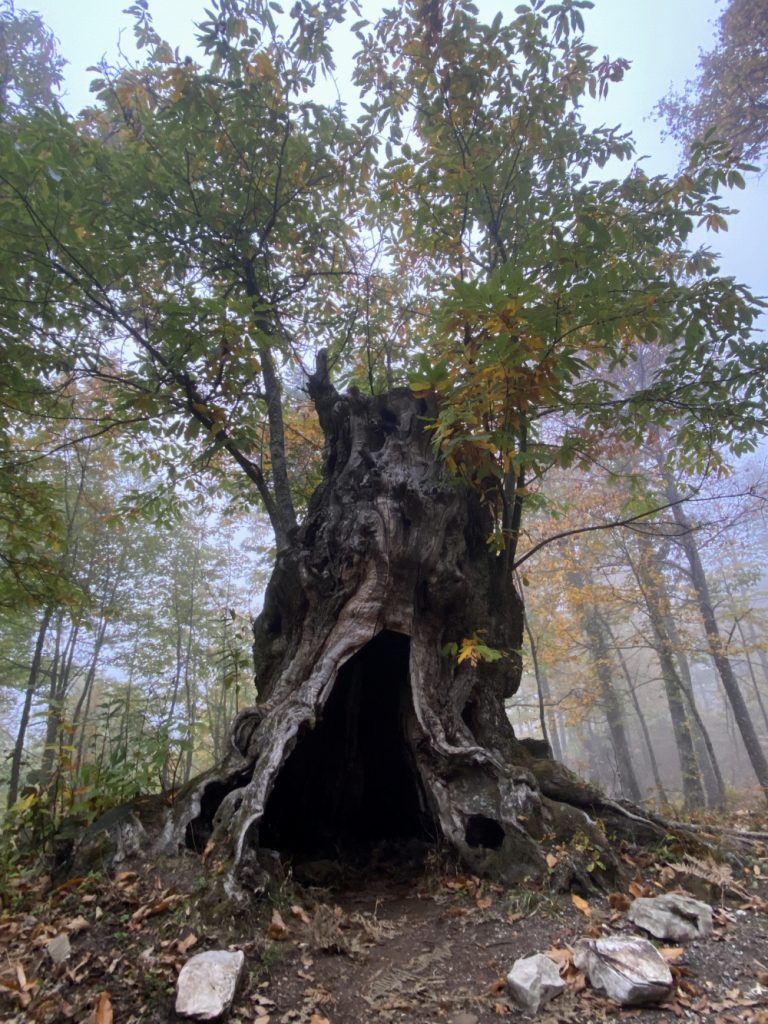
[[377, 947]]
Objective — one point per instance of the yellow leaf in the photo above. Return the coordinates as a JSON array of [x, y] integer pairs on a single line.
[[102, 1012], [581, 905]]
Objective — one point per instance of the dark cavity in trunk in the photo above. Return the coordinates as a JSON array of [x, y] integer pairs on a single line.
[[351, 783]]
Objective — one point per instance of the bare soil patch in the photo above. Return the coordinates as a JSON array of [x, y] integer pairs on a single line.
[[382, 946]]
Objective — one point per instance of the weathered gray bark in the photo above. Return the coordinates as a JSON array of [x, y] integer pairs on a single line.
[[364, 729]]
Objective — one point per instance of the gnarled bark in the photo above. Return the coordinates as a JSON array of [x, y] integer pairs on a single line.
[[364, 730]]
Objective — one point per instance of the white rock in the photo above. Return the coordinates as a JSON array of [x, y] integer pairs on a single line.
[[533, 981], [680, 918], [628, 970], [59, 948], [207, 984]]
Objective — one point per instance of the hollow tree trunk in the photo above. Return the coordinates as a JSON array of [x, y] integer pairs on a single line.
[[365, 730]]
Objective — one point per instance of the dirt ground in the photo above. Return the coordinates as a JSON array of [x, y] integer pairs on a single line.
[[377, 947]]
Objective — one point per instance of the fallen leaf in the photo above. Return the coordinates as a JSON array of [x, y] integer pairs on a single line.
[[497, 986], [483, 903], [77, 924], [457, 911], [184, 945], [762, 978], [619, 901], [562, 957], [102, 1012], [551, 860], [152, 909], [581, 905], [456, 884], [277, 930], [209, 848], [300, 914], [635, 889], [71, 883], [500, 1009], [514, 918], [317, 1019], [671, 952]]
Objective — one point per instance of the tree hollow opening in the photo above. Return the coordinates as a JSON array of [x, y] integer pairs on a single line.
[[350, 786]]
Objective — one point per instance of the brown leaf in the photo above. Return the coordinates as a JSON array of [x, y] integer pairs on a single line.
[[499, 985], [635, 889], [500, 1009], [152, 909], [184, 945], [483, 903], [317, 1019], [619, 901], [671, 952], [277, 930], [551, 860], [514, 918], [209, 848], [300, 914], [581, 905], [102, 1012], [562, 957]]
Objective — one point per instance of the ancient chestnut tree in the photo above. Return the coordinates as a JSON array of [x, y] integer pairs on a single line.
[[435, 290]]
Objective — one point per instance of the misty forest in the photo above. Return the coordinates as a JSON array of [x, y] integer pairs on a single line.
[[383, 469]]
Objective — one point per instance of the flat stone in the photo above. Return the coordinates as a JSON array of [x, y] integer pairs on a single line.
[[533, 981], [207, 983], [628, 969], [59, 948], [672, 916]]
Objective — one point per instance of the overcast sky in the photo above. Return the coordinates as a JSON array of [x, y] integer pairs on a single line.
[[661, 38]]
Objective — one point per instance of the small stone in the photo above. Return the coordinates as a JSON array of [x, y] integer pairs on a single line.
[[207, 983], [59, 948], [533, 981], [672, 916], [629, 970]]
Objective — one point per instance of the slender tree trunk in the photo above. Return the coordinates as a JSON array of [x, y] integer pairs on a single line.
[[741, 714], [646, 574], [752, 674], [549, 732], [654, 764], [708, 759], [600, 652], [32, 683]]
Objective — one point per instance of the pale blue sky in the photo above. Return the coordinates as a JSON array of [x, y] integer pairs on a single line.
[[662, 38]]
